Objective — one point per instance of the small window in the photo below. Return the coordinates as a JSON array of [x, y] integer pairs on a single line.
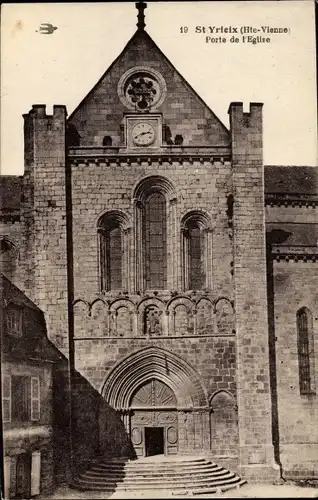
[[178, 140], [107, 140], [14, 317], [20, 386], [305, 342]]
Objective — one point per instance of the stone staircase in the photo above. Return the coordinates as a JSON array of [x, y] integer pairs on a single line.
[[172, 476]]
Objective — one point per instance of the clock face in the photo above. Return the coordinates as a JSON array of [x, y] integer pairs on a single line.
[[143, 134]]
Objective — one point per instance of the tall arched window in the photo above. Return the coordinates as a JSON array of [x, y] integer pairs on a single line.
[[112, 251], [196, 264], [196, 248], [155, 238], [305, 341]]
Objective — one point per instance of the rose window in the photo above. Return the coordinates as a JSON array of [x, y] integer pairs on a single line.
[[142, 89]]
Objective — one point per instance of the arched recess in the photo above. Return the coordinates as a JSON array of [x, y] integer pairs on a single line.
[[224, 424], [114, 242], [181, 316], [224, 316], [196, 249], [153, 363], [81, 317], [122, 318], [98, 318], [154, 217]]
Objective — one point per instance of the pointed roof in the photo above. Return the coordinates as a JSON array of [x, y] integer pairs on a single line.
[[182, 99], [138, 36]]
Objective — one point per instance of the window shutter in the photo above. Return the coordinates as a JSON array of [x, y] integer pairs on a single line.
[[35, 398], [6, 398], [35, 473], [7, 476]]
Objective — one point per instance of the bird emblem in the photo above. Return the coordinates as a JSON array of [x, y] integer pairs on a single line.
[[46, 29]]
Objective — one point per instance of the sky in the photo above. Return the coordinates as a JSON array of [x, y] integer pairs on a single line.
[[62, 67]]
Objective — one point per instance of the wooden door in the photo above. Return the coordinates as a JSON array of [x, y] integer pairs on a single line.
[[171, 440], [154, 405], [23, 476]]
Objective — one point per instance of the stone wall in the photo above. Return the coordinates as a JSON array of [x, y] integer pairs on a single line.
[[44, 216], [254, 402], [297, 413]]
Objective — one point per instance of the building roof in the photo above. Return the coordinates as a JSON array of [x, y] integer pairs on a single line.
[[291, 180], [33, 344], [11, 293], [293, 235], [10, 192]]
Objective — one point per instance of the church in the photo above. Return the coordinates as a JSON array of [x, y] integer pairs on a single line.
[[177, 273]]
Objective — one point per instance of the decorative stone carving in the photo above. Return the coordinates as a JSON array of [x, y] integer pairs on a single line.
[[152, 321]]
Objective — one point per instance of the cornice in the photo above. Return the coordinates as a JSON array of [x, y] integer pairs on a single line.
[[291, 200], [117, 156], [294, 253]]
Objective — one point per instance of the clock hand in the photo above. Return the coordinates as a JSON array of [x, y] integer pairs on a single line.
[[142, 133]]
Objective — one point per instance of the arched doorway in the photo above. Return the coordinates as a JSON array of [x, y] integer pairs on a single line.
[[154, 419], [161, 403]]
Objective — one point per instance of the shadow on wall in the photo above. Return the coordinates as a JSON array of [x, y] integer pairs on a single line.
[[97, 429]]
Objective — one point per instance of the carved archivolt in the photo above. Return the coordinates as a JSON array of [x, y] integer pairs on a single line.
[[153, 363]]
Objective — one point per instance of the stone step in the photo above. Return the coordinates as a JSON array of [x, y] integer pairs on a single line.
[[181, 474], [226, 479], [165, 480], [153, 470], [195, 489], [147, 464], [153, 474]]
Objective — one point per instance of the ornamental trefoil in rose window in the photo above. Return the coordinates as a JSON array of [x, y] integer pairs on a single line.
[[141, 91]]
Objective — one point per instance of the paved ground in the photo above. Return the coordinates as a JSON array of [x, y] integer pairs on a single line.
[[247, 491]]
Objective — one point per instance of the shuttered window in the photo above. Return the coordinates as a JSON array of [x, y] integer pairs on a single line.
[[6, 398], [35, 398], [20, 398]]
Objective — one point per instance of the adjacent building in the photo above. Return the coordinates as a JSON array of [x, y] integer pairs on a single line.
[[27, 368], [176, 272]]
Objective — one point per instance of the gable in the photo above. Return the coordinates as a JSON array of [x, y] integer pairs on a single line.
[[101, 112]]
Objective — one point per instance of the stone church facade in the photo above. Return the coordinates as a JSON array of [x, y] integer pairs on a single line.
[[176, 272]]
